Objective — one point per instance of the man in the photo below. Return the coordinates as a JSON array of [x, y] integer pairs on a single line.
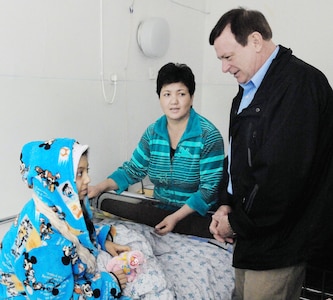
[[276, 206]]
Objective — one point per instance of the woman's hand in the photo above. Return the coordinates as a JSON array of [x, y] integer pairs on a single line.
[[93, 191], [170, 221], [106, 185], [167, 225], [115, 249]]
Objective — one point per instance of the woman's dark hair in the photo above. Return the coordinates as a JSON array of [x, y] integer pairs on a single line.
[[172, 73], [242, 23]]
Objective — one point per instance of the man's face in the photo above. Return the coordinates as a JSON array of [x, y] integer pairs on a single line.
[[239, 61]]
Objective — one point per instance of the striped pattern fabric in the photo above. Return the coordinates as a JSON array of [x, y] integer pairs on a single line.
[[193, 174]]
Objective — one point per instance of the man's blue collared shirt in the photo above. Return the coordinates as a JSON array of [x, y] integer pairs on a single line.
[[250, 88]]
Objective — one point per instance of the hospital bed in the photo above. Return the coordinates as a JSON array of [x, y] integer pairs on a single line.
[[178, 265], [185, 266]]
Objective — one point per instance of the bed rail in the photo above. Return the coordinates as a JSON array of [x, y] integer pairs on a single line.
[[7, 219], [128, 197], [318, 284]]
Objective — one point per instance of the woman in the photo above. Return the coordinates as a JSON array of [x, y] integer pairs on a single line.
[[182, 153]]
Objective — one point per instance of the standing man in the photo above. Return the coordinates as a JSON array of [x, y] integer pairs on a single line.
[[276, 206]]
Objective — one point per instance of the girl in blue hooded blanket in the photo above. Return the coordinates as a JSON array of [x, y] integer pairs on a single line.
[[51, 249]]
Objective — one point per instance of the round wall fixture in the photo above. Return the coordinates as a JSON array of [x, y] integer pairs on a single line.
[[153, 37]]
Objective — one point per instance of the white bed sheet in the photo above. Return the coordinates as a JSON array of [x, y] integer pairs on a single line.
[[177, 266]]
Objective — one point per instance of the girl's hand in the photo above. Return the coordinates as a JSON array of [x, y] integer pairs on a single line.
[[115, 249], [121, 277]]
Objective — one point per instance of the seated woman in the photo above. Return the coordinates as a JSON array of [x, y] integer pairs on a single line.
[[182, 153], [50, 251]]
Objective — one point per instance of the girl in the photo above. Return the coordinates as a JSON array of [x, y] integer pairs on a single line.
[[50, 251]]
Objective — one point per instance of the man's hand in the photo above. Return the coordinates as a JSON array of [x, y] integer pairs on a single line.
[[220, 227]]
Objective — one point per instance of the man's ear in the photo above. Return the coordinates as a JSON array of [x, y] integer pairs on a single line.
[[256, 39]]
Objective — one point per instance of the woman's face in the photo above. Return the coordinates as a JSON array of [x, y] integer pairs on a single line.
[[176, 101], [82, 177]]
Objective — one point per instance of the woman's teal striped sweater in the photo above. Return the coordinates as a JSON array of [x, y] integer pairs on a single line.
[[192, 176]]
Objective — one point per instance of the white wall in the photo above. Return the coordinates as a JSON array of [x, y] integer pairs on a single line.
[[50, 67], [50, 78], [305, 27]]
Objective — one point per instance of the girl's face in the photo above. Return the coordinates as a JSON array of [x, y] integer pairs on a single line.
[[176, 101], [82, 177]]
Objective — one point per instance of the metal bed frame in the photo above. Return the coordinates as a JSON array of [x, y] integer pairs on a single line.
[[318, 284]]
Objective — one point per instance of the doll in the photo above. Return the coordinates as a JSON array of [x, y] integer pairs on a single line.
[[129, 261]]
